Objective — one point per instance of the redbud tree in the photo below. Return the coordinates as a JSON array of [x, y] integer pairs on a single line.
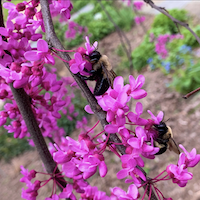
[[35, 98]]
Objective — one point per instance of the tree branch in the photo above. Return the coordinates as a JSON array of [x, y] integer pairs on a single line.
[[176, 21]]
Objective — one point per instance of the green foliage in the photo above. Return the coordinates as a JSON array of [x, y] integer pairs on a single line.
[[186, 80], [142, 53], [182, 66], [180, 63], [77, 5], [163, 24], [189, 39], [11, 147], [98, 23]]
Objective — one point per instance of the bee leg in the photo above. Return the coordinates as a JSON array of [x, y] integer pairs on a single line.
[[92, 77]]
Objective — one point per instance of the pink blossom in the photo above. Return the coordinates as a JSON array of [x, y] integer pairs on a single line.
[[78, 66], [138, 4], [139, 20], [28, 176], [179, 174], [67, 192], [191, 159], [131, 194], [135, 118], [158, 119], [88, 47], [42, 53], [13, 12], [135, 90]]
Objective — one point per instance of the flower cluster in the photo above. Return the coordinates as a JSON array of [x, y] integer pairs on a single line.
[[179, 173], [24, 67], [139, 20], [136, 5], [162, 40], [74, 29]]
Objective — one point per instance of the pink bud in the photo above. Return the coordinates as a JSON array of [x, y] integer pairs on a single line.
[[15, 66], [30, 12], [35, 3], [16, 124], [99, 156], [90, 144], [81, 50], [20, 7], [3, 94], [83, 137]]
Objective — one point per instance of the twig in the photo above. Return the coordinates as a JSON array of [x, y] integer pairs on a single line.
[[176, 21], [191, 93]]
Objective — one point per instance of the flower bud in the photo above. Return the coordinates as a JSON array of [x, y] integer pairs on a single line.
[[20, 7], [30, 12]]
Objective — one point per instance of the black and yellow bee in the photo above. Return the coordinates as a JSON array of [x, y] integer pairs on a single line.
[[165, 139], [101, 72]]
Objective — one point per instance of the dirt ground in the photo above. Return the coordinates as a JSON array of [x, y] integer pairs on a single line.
[[183, 115]]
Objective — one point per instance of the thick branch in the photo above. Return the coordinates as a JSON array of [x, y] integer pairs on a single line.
[[176, 21], [24, 106]]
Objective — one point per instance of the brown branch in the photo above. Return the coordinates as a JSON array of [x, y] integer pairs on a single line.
[[24, 106], [191, 93], [176, 21]]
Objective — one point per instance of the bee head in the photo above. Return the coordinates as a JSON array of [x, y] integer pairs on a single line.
[[94, 56], [161, 128]]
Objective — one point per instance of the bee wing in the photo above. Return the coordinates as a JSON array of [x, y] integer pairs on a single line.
[[173, 146], [112, 76], [109, 75]]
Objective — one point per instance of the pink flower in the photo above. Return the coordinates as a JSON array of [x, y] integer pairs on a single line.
[[179, 174], [135, 118], [191, 159], [42, 53], [138, 4], [131, 194], [157, 119], [88, 47], [139, 20], [135, 90], [78, 66], [139, 142], [67, 192], [13, 12]]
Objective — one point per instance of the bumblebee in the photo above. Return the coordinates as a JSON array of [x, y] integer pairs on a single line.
[[165, 139], [101, 72]]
